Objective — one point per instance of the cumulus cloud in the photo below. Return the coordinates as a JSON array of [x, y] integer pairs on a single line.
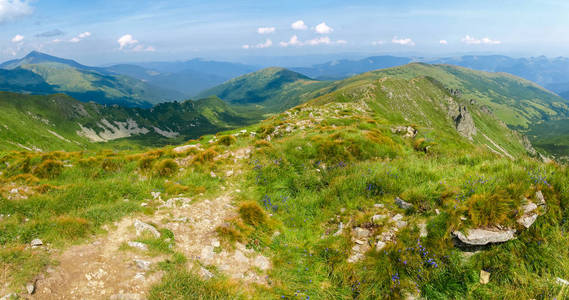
[[403, 41], [13, 9], [265, 30], [127, 42], [50, 33], [292, 42], [470, 40], [378, 43], [79, 37], [443, 42], [323, 28], [17, 38], [268, 43], [318, 41], [299, 25]]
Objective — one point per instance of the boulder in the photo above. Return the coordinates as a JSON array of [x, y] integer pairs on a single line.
[[377, 218], [480, 237], [185, 148], [361, 233], [529, 215], [380, 245], [539, 197], [205, 273], [402, 204], [141, 227]]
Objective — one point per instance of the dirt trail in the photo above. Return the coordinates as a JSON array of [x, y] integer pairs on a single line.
[[101, 270]]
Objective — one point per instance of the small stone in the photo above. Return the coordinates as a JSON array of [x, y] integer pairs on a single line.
[[402, 204], [139, 276], [540, 198], [479, 237], [561, 281], [138, 245], [378, 205], [437, 211], [10, 296], [484, 277], [36, 243], [340, 229], [377, 218], [31, 287], [380, 245], [397, 217], [361, 233], [142, 227], [142, 264], [215, 243], [229, 173]]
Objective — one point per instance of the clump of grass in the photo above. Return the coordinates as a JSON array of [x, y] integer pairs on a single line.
[[262, 144], [205, 156], [226, 140], [48, 169], [71, 227], [166, 167], [25, 178], [111, 164], [145, 163], [422, 145], [229, 233], [174, 188], [89, 162], [252, 213]]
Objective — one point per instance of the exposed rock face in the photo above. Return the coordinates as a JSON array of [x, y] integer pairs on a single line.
[[529, 215], [185, 148], [480, 237], [529, 147], [462, 119], [484, 277]]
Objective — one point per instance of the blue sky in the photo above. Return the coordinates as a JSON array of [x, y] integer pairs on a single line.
[[107, 31]]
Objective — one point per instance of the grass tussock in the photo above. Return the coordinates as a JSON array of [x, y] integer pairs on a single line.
[[48, 169], [166, 168]]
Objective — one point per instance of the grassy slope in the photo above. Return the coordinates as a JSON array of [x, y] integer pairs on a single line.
[[338, 160], [28, 120]]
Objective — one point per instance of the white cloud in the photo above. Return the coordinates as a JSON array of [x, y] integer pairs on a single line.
[[469, 40], [292, 42], [378, 43], [341, 42], [322, 28], [403, 41], [265, 30], [443, 42], [13, 9], [127, 42], [17, 38], [299, 25], [268, 43], [79, 37], [317, 41]]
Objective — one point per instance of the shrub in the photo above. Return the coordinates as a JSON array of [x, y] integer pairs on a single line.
[[252, 213], [111, 165], [227, 140], [205, 156], [167, 167], [48, 169], [88, 162], [146, 162]]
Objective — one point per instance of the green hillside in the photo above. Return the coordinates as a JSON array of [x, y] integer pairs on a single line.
[[269, 90], [50, 74], [59, 122], [356, 194]]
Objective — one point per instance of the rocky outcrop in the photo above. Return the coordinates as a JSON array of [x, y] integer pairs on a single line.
[[481, 237], [402, 204], [461, 118], [407, 131]]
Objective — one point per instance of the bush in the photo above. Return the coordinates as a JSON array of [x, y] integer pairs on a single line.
[[167, 167], [145, 163], [206, 156], [48, 169], [227, 140], [111, 165]]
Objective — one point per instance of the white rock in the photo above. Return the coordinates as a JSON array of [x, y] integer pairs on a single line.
[[139, 276], [142, 264], [340, 229], [361, 233], [229, 173], [527, 220], [539, 197], [380, 245], [397, 217], [10, 296], [377, 218], [182, 149], [138, 245], [142, 227], [402, 204], [422, 230], [484, 277], [379, 205], [31, 287], [215, 243], [479, 237], [240, 257], [36, 243], [561, 281], [126, 297]]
